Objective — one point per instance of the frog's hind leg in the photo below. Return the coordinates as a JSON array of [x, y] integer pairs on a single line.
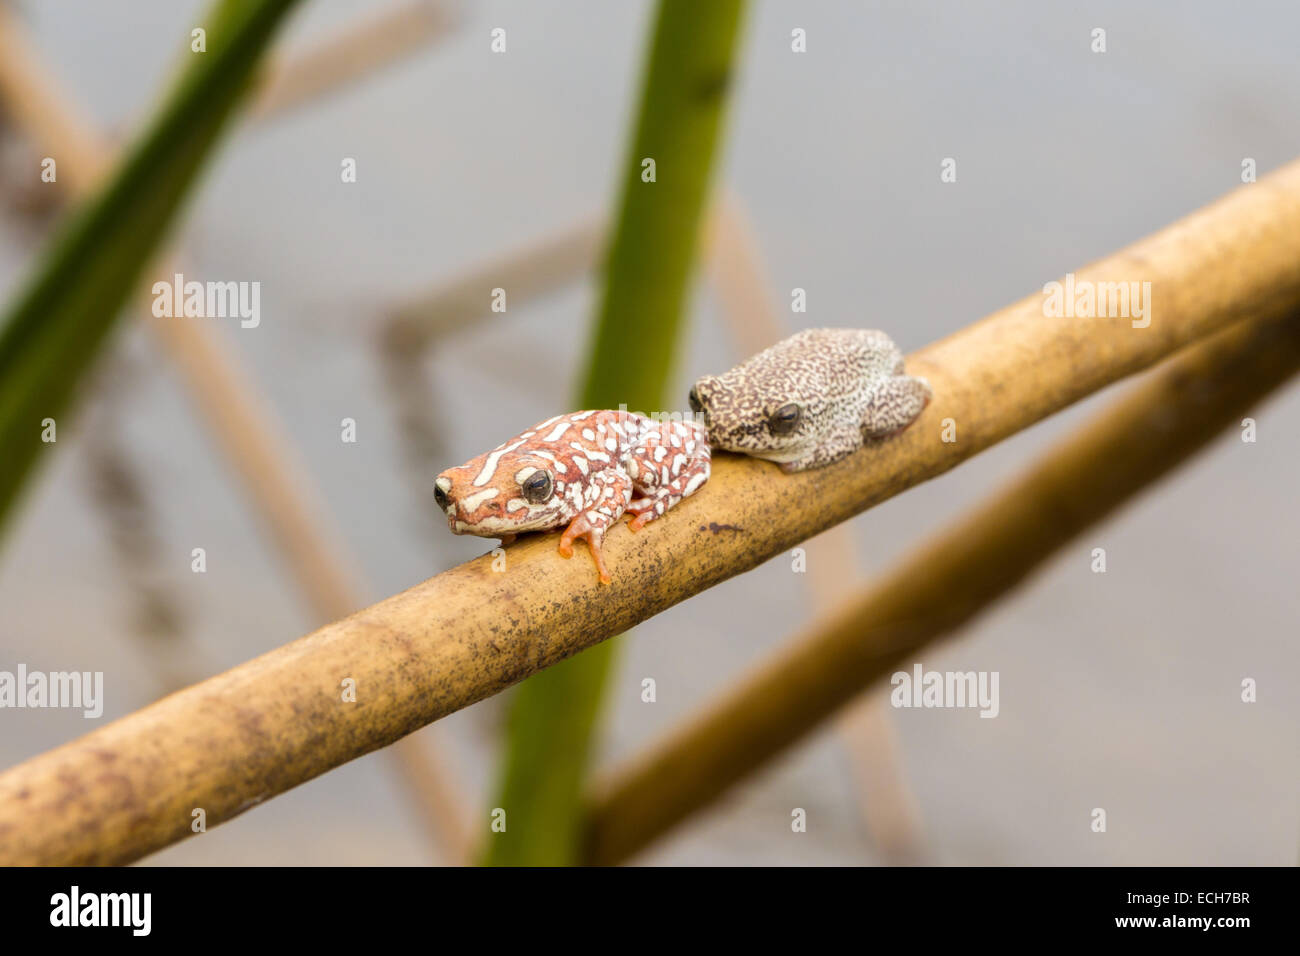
[[607, 498], [878, 353], [895, 403], [672, 463]]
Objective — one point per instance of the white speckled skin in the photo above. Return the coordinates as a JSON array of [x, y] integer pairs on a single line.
[[846, 386], [591, 467]]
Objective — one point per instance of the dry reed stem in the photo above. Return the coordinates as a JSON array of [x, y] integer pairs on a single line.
[[359, 48]]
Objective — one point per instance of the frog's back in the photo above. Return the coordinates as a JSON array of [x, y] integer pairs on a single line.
[[834, 364], [866, 351]]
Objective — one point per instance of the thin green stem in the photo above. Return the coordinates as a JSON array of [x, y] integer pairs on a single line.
[[59, 321], [647, 274]]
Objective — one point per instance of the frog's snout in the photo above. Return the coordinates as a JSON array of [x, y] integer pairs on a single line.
[[701, 394], [441, 486], [697, 403]]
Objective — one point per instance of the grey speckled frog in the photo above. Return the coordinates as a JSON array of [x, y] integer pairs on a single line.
[[811, 399]]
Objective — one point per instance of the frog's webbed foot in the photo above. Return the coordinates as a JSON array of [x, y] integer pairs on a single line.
[[581, 527], [895, 404], [790, 467], [611, 492], [828, 450], [825, 454]]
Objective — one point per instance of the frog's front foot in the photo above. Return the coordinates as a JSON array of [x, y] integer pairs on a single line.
[[580, 527]]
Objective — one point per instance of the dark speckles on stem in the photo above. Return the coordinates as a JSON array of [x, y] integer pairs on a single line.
[[250, 722], [713, 527]]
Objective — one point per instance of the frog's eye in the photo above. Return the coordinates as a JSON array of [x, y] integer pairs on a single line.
[[440, 497], [785, 419], [694, 399], [538, 487]]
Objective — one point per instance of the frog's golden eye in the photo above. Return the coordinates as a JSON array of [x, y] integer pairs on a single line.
[[785, 419], [538, 487]]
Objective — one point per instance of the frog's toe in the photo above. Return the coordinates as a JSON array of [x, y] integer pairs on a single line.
[[582, 528], [642, 511], [600, 563], [593, 545]]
